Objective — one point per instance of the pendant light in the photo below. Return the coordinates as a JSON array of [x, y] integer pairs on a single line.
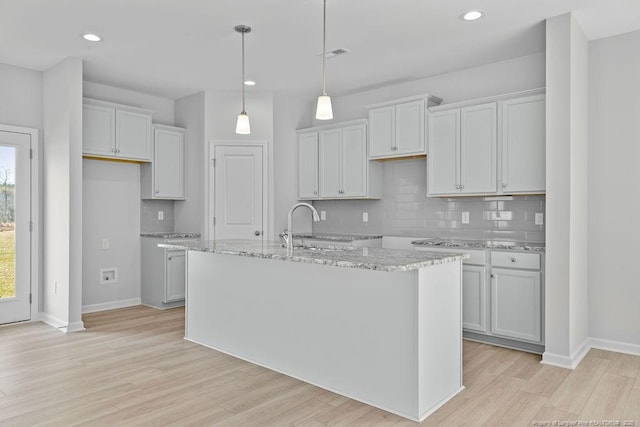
[[324, 110], [242, 125]]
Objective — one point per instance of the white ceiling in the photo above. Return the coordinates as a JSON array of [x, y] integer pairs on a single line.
[[173, 48]]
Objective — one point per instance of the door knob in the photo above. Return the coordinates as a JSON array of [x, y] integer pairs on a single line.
[[257, 233]]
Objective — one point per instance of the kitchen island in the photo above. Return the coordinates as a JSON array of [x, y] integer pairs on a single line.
[[377, 325]]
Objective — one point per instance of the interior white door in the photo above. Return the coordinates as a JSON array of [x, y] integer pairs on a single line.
[[238, 192], [15, 217]]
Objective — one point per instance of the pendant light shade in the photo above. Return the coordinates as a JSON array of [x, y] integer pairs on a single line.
[[242, 125], [323, 109]]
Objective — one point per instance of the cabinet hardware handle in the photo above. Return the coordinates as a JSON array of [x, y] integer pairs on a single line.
[[504, 185], [461, 187], [315, 193], [493, 276], [513, 260], [157, 191], [113, 150], [169, 258], [117, 150], [257, 233]]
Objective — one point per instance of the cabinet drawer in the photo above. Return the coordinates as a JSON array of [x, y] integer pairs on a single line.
[[476, 256], [515, 260]]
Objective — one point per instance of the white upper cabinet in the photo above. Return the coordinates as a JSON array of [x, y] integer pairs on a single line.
[[98, 130], [487, 148], [523, 145], [478, 149], [116, 131], [333, 163], [164, 177], [308, 166], [396, 128], [462, 151]]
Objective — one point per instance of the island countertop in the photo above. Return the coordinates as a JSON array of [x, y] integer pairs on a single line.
[[480, 244], [349, 257]]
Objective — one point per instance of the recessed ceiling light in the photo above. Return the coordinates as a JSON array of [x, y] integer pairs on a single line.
[[250, 83], [92, 37], [472, 15]]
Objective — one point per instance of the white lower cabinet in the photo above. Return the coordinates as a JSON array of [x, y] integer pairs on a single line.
[[502, 294], [515, 304], [174, 289], [474, 294], [162, 274]]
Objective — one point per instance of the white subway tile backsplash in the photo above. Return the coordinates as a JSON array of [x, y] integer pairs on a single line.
[[406, 211]]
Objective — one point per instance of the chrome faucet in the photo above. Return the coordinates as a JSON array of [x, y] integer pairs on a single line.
[[287, 236]]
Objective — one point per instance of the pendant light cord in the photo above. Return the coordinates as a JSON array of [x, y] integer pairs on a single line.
[[324, 49], [243, 112]]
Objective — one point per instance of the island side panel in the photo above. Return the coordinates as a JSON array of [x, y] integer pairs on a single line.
[[349, 330], [440, 335]]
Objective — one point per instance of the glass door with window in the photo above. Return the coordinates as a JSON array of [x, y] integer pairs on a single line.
[[15, 218]]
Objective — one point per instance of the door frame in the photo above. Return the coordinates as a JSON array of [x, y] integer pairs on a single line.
[[267, 185], [35, 259]]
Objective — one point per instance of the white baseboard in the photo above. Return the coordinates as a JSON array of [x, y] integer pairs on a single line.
[[617, 346], [59, 324], [92, 308], [589, 343]]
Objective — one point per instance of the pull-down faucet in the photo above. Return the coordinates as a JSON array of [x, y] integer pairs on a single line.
[[288, 236]]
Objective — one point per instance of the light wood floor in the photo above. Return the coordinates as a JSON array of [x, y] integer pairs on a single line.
[[132, 367]]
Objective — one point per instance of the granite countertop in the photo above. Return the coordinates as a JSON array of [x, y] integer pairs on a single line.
[[365, 258], [481, 244], [335, 237], [171, 235]]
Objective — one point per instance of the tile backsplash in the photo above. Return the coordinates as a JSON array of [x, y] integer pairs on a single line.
[[405, 210], [149, 222]]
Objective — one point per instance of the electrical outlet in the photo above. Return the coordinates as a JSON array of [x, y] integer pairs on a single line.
[[105, 244], [365, 216], [323, 215], [539, 218], [160, 215], [465, 217]]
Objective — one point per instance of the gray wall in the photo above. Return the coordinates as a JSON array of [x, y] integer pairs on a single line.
[[405, 210]]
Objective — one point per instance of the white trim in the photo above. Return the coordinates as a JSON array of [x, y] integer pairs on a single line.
[[60, 325], [268, 219], [92, 308], [616, 346], [73, 327], [35, 213], [589, 343]]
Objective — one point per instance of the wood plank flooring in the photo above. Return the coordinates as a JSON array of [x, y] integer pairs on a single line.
[[131, 367]]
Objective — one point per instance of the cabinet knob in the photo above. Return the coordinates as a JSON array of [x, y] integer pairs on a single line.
[[513, 259], [504, 185], [315, 193], [493, 276], [117, 150], [113, 150], [169, 258], [157, 191], [257, 232]]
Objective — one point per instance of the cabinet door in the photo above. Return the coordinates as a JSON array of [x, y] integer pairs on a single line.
[[330, 163], [515, 304], [98, 126], [133, 135], [478, 145], [168, 163], [523, 145], [410, 128], [354, 161], [443, 153], [474, 292], [174, 276], [382, 131], [308, 165]]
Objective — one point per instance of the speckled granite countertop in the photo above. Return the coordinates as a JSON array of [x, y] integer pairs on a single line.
[[171, 235], [481, 244], [335, 237], [365, 258]]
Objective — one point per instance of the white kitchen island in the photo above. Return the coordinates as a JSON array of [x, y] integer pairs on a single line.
[[377, 325]]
